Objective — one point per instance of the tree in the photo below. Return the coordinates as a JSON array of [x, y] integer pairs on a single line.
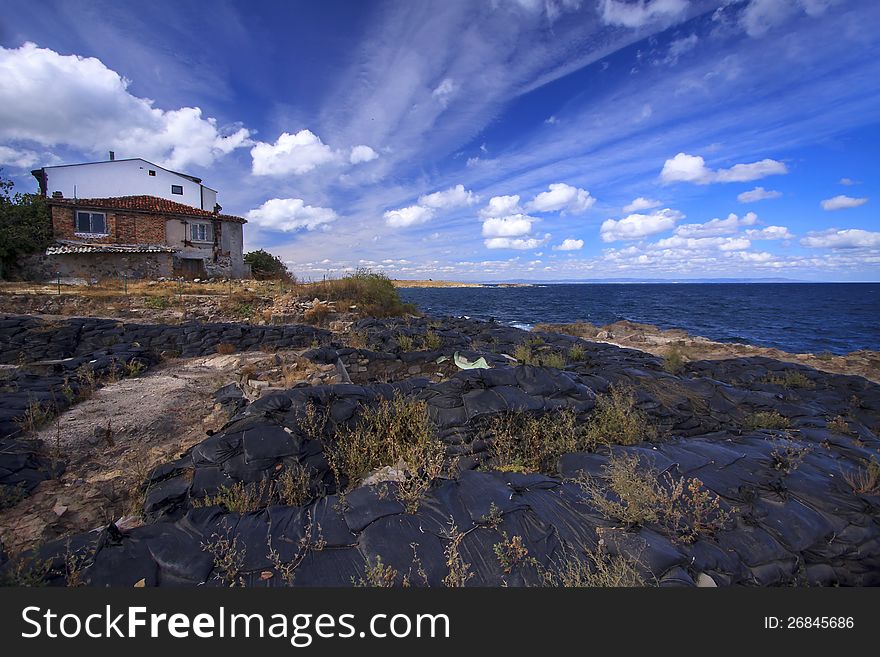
[[25, 225], [266, 266]]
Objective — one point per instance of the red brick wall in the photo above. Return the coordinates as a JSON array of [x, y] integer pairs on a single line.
[[122, 227]]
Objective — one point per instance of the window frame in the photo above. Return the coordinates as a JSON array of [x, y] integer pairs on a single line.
[[180, 187], [208, 231], [92, 214]]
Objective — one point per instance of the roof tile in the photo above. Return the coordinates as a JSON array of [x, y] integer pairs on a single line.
[[143, 204]]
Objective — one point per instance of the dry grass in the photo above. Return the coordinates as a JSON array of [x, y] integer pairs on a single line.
[[640, 495], [534, 352], [226, 348], [528, 443], [675, 360], [291, 488], [839, 425]]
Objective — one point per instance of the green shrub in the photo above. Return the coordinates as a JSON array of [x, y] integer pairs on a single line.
[[617, 420], [765, 420], [790, 379]]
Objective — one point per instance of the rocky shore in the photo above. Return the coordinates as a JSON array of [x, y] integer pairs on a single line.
[[442, 452]]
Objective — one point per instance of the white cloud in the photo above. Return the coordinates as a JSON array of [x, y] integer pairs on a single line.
[[551, 120], [516, 243], [20, 159], [760, 16], [849, 182], [362, 153], [770, 233], [54, 99], [757, 194], [850, 238], [637, 226], [444, 91], [501, 206], [679, 47], [562, 198], [570, 244], [641, 203], [693, 169], [409, 216], [639, 14], [454, 197], [288, 214], [298, 153], [703, 243], [842, 202], [717, 227], [515, 225]]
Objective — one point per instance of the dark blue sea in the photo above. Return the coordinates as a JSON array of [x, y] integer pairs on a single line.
[[794, 317]]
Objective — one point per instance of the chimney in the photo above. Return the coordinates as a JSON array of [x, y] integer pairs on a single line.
[[112, 156]]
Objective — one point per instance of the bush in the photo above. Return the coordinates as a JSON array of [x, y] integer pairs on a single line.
[[598, 570], [790, 379], [373, 294], [265, 266], [528, 443], [674, 361]]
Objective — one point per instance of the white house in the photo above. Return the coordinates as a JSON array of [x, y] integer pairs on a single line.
[[128, 177]]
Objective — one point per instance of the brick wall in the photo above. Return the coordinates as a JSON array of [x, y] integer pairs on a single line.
[[122, 227]]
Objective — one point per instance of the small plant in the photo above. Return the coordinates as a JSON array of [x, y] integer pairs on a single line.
[[617, 420], [789, 458], [839, 425], [244, 310], [238, 498], [317, 314], [530, 352], [765, 420], [432, 341], [865, 480], [228, 558], [406, 342], [26, 571], [134, 367], [458, 571], [577, 353], [511, 553], [493, 518], [528, 443], [226, 348], [675, 360], [292, 486], [790, 379], [377, 575]]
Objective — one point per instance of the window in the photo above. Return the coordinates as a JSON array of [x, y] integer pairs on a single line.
[[152, 172], [201, 232], [91, 222], [177, 189]]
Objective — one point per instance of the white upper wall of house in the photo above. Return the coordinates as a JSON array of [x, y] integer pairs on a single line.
[[126, 178]]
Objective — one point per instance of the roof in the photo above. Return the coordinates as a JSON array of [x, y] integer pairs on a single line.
[[64, 246], [125, 159], [149, 204]]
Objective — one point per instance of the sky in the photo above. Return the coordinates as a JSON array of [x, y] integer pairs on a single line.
[[479, 140]]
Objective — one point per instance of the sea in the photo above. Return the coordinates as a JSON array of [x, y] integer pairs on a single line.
[[794, 317]]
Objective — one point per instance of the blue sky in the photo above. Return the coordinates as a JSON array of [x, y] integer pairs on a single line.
[[495, 140]]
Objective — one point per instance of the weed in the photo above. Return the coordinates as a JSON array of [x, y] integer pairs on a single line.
[[35, 416], [458, 571], [790, 379], [531, 353], [528, 443], [511, 553], [765, 420], [493, 518], [598, 570], [577, 353], [641, 495], [157, 303], [312, 540], [26, 571], [675, 360], [865, 480], [292, 486], [432, 341], [395, 432], [376, 575], [134, 367], [317, 314], [228, 558], [238, 498], [406, 343], [788, 458], [839, 425], [617, 420]]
